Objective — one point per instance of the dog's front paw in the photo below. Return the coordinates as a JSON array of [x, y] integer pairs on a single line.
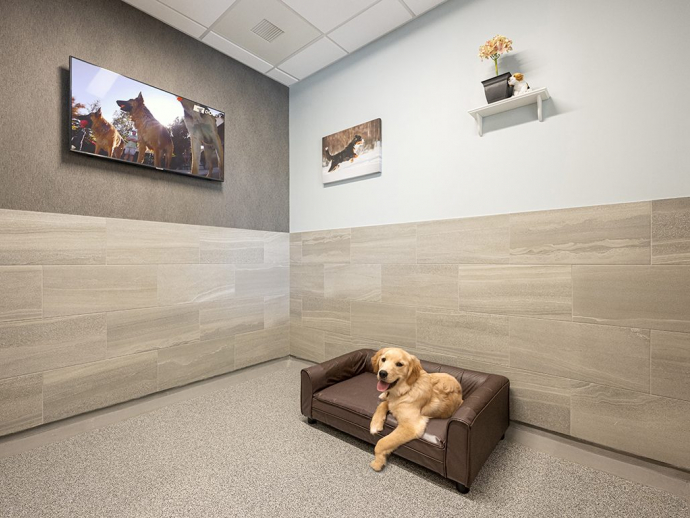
[[377, 465], [375, 428]]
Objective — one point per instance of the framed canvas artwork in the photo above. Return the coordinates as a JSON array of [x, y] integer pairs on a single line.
[[352, 153]]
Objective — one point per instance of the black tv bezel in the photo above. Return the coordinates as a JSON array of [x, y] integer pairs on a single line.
[[137, 164]]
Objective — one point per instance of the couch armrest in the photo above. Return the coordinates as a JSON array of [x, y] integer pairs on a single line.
[[475, 429], [318, 377]]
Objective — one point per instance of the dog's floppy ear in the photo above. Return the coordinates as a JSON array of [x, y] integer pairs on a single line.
[[375, 360], [415, 370]]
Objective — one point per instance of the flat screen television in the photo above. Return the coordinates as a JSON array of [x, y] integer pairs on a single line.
[[118, 118]]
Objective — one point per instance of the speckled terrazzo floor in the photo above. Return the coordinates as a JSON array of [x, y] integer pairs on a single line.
[[246, 451]]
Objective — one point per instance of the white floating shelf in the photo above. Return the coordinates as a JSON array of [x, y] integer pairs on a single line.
[[537, 95]]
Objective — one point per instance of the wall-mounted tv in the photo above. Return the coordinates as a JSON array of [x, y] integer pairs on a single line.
[[118, 118]]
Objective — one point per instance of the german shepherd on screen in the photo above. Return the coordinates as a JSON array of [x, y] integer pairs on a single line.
[[105, 136], [349, 153], [202, 130], [152, 134]]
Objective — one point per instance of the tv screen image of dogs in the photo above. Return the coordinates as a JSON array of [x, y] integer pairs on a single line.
[[352, 153], [119, 118]]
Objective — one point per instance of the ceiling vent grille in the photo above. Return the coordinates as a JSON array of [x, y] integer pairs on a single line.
[[267, 30]]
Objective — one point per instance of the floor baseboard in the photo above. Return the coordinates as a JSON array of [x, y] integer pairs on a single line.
[[674, 481], [25, 440]]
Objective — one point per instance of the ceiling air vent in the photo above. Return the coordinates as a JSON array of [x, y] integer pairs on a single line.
[[267, 30]]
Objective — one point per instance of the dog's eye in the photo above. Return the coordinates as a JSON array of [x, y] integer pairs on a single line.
[[399, 364], [383, 360]]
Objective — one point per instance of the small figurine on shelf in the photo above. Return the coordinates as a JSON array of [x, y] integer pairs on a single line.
[[519, 85]]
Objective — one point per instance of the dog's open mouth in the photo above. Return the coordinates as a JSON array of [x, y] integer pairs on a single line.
[[382, 386]]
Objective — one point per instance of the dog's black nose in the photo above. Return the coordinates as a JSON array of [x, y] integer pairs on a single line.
[[383, 374]]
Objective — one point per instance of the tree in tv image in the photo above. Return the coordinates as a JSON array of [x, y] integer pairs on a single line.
[[120, 118]]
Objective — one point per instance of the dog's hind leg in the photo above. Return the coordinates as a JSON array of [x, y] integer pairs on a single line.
[[142, 153], [119, 149], [168, 156], [209, 154], [219, 151], [404, 433], [196, 155]]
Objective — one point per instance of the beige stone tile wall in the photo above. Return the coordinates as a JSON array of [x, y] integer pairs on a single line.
[[585, 310], [97, 311]]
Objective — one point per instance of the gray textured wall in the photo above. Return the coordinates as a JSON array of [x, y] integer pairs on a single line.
[[40, 174]]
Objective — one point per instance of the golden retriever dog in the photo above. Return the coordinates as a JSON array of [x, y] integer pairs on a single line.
[[412, 395]]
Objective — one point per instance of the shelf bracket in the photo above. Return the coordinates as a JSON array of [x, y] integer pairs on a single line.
[[479, 124], [539, 114]]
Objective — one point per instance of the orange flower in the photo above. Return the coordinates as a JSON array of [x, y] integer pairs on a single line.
[[495, 47]]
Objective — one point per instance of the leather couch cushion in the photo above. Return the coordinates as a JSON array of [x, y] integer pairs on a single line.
[[356, 399]]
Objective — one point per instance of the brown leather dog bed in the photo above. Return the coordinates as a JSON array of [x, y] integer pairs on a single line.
[[342, 393]]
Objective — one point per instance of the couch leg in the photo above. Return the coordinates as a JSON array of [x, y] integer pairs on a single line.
[[311, 421], [462, 488], [503, 436]]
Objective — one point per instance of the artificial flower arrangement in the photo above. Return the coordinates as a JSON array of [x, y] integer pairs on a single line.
[[494, 48]]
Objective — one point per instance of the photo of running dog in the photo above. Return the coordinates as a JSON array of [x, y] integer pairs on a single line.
[[352, 153], [347, 154], [152, 134], [118, 118], [203, 131]]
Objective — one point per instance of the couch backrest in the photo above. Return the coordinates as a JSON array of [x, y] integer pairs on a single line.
[[469, 380]]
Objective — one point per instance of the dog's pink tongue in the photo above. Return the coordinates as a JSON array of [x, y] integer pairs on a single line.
[[382, 386]]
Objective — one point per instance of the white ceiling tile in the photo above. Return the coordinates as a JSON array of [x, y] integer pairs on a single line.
[[421, 6], [169, 16], [371, 24], [328, 14], [203, 11], [238, 23], [281, 77], [302, 23], [235, 52], [315, 57]]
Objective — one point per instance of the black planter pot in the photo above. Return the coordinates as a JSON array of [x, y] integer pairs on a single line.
[[497, 88]]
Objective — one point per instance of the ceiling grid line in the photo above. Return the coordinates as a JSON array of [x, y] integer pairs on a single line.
[[408, 8], [353, 17], [277, 65], [316, 33], [336, 43], [225, 13], [298, 14]]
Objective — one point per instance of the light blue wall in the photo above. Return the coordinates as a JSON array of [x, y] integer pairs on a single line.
[[615, 130]]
